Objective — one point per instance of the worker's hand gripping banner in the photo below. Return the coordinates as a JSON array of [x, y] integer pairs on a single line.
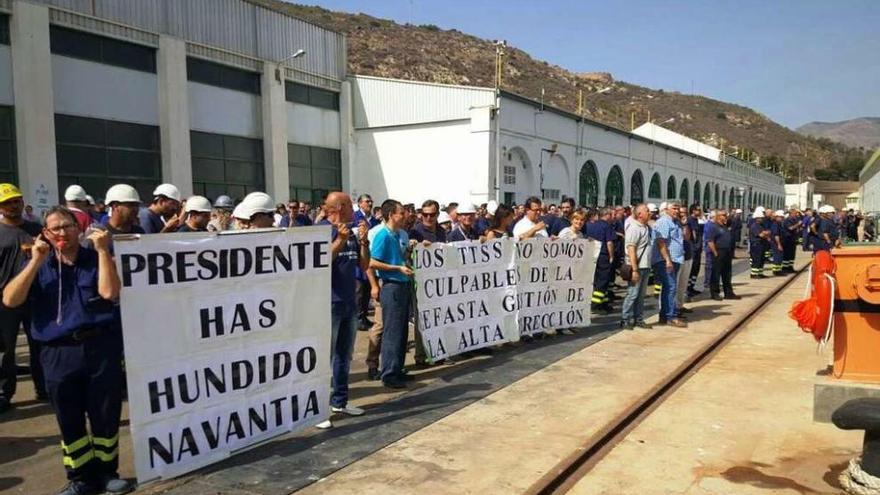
[[471, 295], [226, 342]]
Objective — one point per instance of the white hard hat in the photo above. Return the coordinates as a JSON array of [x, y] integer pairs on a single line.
[[90, 199], [121, 193], [738, 210], [443, 217], [664, 205], [826, 209], [779, 213], [198, 204], [253, 203], [75, 193], [491, 207], [170, 191], [652, 207], [465, 209], [759, 212]]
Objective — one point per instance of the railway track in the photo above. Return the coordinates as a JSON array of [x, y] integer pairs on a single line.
[[571, 469]]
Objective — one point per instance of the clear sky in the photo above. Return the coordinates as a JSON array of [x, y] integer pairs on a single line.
[[795, 61]]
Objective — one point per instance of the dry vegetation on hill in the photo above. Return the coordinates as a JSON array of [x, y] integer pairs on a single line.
[[379, 47]]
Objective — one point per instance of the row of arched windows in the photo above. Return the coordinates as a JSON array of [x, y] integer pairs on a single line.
[[709, 195]]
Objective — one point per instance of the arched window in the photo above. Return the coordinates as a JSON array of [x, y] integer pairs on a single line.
[[697, 192], [685, 193], [732, 201], [588, 186], [718, 202], [655, 190], [670, 187], [724, 198], [636, 188], [614, 187], [707, 196]]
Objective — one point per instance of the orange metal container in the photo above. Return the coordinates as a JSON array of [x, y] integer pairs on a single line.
[[857, 314]]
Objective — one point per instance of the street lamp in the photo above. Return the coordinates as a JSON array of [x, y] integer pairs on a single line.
[[582, 97], [552, 151], [297, 54]]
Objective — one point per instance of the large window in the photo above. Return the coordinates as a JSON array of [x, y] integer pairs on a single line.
[[309, 95], [97, 153], [7, 145], [222, 76], [110, 51], [313, 172], [4, 29], [226, 165]]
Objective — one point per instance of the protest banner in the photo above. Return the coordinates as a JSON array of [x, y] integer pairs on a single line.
[[556, 280], [471, 295], [227, 342], [463, 295]]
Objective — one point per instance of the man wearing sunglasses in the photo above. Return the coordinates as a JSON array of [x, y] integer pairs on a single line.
[[428, 230]]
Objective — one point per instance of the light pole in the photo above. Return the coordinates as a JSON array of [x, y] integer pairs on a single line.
[[297, 54], [500, 45], [582, 97], [551, 151]]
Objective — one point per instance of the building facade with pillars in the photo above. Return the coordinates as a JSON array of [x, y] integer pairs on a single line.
[[98, 92], [414, 141]]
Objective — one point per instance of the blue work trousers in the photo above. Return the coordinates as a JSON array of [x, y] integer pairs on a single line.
[[343, 330], [395, 298]]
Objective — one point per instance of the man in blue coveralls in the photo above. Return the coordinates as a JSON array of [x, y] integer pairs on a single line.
[[759, 234], [71, 292], [777, 232]]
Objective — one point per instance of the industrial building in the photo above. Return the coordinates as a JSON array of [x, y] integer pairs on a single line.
[[869, 184], [415, 140], [200, 93], [217, 97]]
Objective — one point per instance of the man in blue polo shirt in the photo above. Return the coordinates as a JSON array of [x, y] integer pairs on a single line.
[[348, 251], [71, 292], [387, 258], [667, 257]]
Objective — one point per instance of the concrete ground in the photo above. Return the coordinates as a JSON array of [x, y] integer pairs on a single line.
[[29, 438], [507, 441], [743, 424]]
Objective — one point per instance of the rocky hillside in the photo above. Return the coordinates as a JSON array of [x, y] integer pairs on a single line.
[[858, 133], [380, 47]]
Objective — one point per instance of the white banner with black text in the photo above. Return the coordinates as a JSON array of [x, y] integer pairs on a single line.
[[227, 342], [471, 295]]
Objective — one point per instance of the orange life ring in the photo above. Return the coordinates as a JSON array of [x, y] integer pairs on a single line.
[[813, 314]]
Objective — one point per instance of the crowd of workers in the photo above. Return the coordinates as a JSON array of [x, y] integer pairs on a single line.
[[60, 282]]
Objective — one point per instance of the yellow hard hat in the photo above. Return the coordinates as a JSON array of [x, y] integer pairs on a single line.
[[8, 191]]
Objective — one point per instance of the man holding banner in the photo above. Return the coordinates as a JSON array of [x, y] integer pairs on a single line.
[[347, 252], [71, 291], [387, 258]]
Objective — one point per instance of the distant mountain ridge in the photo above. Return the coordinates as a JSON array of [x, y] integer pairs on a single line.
[[863, 132], [384, 48]]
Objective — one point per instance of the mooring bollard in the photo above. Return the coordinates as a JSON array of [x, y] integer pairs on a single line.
[[863, 475]]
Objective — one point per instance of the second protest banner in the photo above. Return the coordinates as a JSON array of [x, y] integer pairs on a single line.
[[472, 295]]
